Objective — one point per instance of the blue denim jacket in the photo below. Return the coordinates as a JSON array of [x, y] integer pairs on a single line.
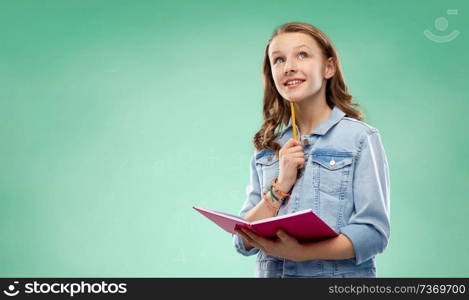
[[345, 181]]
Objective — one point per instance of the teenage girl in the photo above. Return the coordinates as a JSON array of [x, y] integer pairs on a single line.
[[335, 166]]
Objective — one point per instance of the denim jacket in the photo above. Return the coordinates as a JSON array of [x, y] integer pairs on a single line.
[[345, 181]]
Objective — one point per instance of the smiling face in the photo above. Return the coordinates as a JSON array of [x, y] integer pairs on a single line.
[[299, 68]]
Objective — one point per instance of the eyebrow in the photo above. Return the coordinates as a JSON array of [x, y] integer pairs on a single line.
[[303, 45]]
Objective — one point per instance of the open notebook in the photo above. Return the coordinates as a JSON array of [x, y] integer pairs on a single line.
[[304, 225]]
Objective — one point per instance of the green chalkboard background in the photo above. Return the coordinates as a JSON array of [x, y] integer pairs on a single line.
[[117, 116]]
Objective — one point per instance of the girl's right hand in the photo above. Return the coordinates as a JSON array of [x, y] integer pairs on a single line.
[[291, 158]]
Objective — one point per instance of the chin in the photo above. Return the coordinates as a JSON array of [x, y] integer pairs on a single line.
[[303, 97], [295, 98]]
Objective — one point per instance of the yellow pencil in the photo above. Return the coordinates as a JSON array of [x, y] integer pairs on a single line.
[[293, 123]]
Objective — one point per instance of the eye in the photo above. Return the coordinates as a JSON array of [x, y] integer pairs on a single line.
[[277, 59], [303, 55]]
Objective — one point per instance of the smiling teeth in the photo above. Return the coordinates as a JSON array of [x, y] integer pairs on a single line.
[[294, 82]]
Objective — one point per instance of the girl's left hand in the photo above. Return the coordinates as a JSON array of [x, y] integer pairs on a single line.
[[285, 246]]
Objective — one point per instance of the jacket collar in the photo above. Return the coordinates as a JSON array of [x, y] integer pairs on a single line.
[[334, 117]]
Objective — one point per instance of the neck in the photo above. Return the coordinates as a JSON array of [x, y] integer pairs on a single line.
[[311, 112]]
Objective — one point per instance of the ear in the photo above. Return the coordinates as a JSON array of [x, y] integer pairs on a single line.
[[330, 68]]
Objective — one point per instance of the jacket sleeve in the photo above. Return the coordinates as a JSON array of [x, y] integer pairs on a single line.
[[253, 196], [369, 225]]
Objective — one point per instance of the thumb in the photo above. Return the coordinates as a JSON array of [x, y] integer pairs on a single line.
[[283, 235]]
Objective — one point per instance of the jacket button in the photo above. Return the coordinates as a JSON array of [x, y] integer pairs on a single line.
[[332, 162], [305, 142], [269, 159]]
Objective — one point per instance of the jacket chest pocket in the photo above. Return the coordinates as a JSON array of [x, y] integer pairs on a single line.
[[268, 167], [332, 170]]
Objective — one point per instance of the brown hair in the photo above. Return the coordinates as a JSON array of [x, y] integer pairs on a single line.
[[276, 110]]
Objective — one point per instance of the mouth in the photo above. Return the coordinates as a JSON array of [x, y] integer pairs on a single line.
[[293, 83]]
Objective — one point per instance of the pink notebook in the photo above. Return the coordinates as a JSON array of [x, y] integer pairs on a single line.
[[305, 225]]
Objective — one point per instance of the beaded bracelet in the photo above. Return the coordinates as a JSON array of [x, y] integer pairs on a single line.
[[273, 195], [274, 189], [276, 209]]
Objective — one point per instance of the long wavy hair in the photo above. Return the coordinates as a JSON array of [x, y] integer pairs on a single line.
[[276, 110]]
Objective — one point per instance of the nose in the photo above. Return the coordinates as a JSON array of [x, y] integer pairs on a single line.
[[290, 67]]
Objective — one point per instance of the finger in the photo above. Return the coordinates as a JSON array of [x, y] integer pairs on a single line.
[[286, 148], [250, 233], [297, 155], [293, 157], [256, 238], [291, 143], [293, 150], [297, 160], [249, 240], [282, 235], [300, 162], [243, 235]]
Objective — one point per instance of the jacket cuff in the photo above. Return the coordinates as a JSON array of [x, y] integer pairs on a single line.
[[366, 241], [239, 245]]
